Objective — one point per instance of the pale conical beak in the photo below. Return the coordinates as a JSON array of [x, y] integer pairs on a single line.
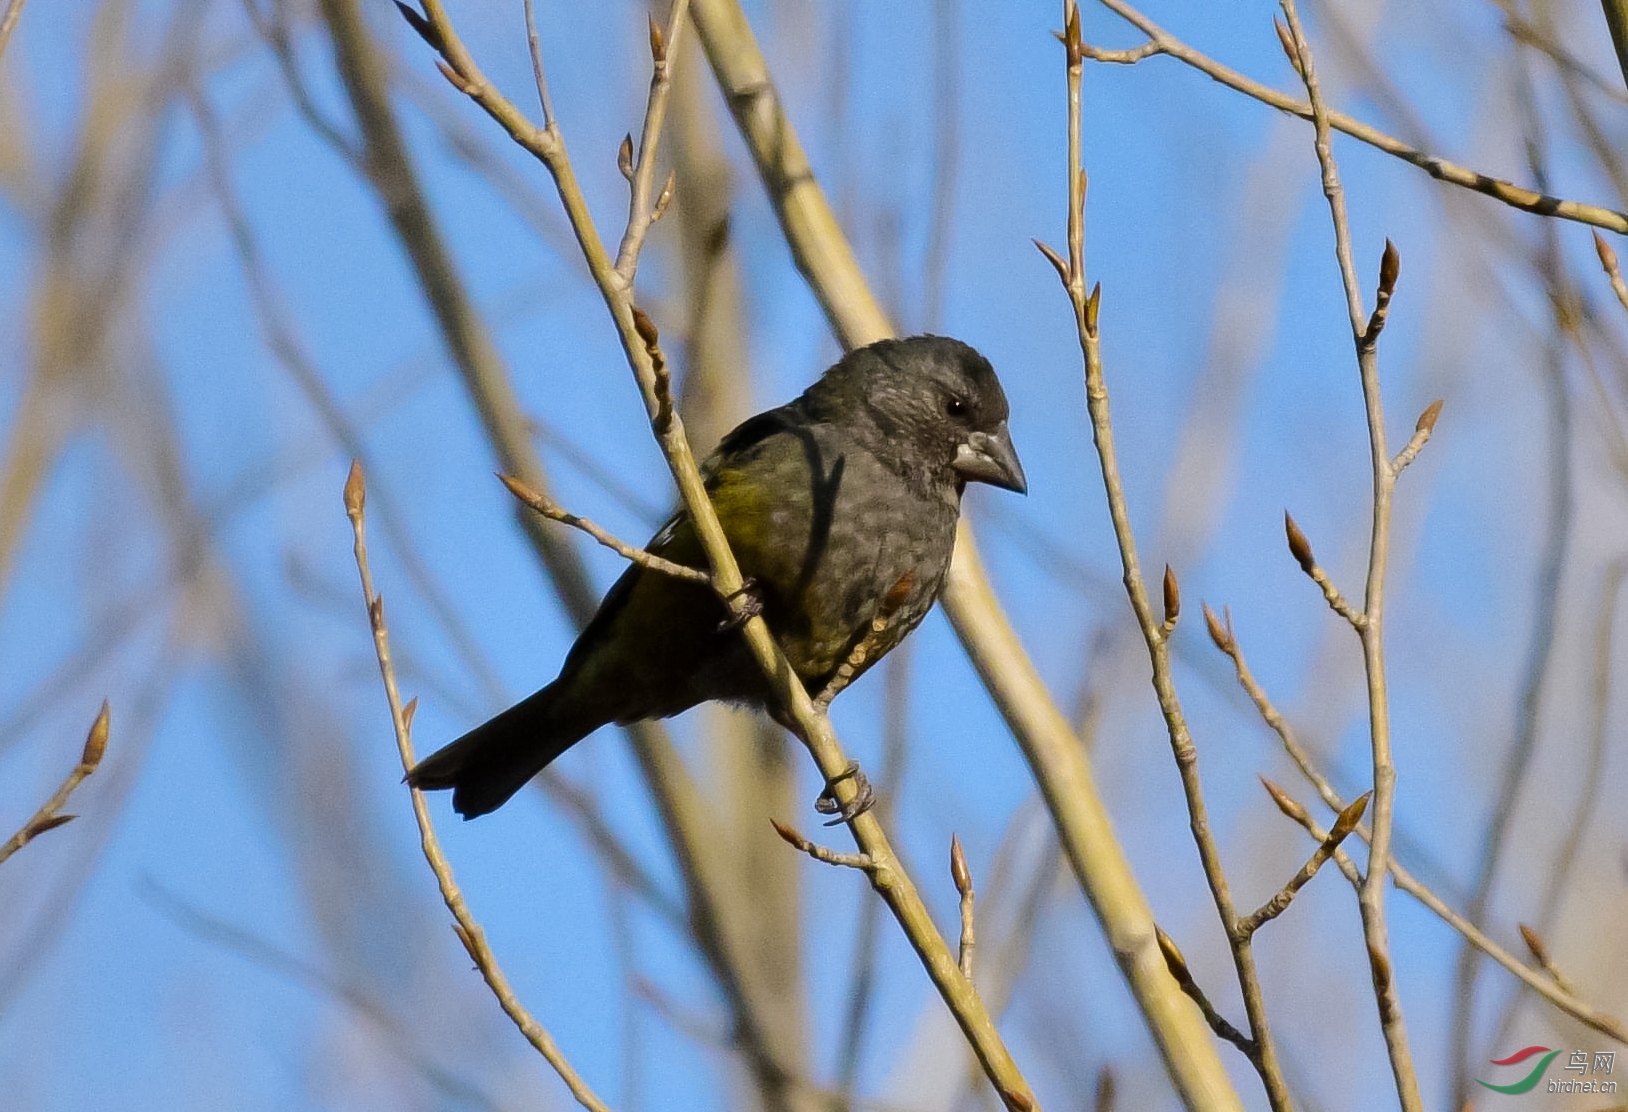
[[988, 457]]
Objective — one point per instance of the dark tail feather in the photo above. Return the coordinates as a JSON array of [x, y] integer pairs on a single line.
[[493, 761]]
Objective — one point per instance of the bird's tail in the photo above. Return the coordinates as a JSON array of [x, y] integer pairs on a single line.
[[494, 760]]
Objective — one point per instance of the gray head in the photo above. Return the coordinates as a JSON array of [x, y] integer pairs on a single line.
[[927, 401]]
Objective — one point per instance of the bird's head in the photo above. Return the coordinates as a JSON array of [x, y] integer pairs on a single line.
[[928, 401]]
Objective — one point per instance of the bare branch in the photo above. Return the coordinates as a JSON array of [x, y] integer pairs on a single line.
[[1441, 169], [49, 816], [1279, 903], [551, 510], [1184, 977], [465, 926]]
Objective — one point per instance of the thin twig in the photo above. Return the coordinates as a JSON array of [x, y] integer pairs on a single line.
[[49, 816], [1260, 1047], [642, 211], [1300, 549], [468, 930], [551, 510], [1279, 903], [796, 841], [1608, 260], [1538, 669], [1184, 977], [1371, 900], [1441, 169], [1572, 1006], [1544, 986]]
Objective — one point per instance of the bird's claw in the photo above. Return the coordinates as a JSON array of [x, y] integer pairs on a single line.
[[864, 796], [745, 603]]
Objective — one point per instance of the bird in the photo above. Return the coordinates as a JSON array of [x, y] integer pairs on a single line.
[[841, 509]]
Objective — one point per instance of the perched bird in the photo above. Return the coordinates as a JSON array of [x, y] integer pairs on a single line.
[[840, 508]]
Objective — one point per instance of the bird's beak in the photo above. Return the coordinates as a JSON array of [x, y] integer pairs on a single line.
[[988, 457]]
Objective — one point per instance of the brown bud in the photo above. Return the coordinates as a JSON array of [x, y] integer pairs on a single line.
[[1172, 597], [409, 712], [1607, 253], [1299, 546], [645, 327], [96, 740], [453, 77], [1173, 956], [355, 490], [788, 835], [1427, 419], [958, 867], [1349, 817], [1107, 1089], [50, 823], [1286, 41], [658, 43], [1390, 266], [1092, 304], [1220, 633], [624, 157], [1285, 802], [519, 489], [1535, 943], [1055, 259], [1071, 36]]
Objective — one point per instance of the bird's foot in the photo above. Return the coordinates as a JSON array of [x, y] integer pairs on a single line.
[[745, 603], [864, 796]]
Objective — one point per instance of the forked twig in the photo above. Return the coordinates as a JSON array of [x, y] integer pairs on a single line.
[[1364, 331]]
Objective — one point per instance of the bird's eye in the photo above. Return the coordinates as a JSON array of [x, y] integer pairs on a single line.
[[955, 407]]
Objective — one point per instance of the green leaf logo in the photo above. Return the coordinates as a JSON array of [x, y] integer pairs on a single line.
[[1530, 1081]]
